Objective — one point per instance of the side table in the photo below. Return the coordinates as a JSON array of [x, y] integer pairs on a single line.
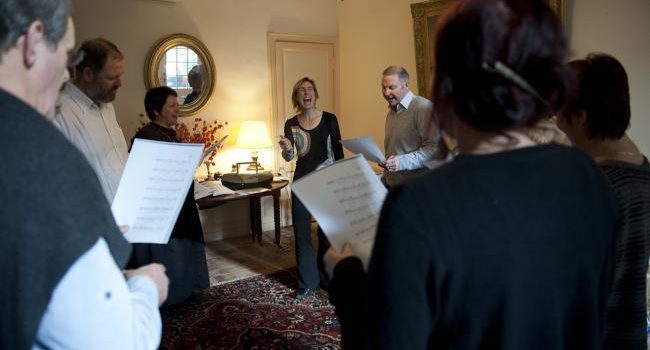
[[254, 196]]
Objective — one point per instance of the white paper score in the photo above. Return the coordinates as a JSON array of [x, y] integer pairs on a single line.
[[153, 187], [346, 199], [366, 146]]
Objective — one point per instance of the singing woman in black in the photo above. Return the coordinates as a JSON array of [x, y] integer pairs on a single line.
[[184, 254]]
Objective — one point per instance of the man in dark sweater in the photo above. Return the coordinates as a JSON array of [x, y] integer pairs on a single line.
[[61, 252]]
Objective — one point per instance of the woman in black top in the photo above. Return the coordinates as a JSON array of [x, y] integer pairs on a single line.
[[509, 246], [595, 120], [184, 254], [315, 136]]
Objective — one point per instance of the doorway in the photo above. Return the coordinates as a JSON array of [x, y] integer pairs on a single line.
[[292, 57]]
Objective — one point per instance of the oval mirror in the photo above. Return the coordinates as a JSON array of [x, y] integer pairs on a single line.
[[183, 63]]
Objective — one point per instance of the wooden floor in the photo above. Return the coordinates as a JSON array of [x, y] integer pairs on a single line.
[[240, 257]]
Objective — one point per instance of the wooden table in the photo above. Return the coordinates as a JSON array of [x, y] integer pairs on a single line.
[[254, 199]]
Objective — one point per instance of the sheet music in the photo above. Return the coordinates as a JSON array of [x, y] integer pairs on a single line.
[[201, 191], [153, 187], [366, 146], [346, 199], [217, 188]]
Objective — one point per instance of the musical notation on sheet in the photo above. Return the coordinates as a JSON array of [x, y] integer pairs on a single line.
[[346, 199]]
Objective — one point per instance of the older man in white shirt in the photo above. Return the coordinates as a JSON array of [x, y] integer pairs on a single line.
[[86, 115]]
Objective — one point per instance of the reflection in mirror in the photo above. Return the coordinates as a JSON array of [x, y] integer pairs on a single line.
[[184, 64], [195, 80], [181, 70]]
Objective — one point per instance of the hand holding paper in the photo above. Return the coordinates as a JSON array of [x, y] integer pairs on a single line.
[[153, 187]]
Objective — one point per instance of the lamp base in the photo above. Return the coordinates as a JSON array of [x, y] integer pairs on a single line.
[[256, 166]]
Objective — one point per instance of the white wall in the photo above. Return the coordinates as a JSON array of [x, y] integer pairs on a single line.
[[235, 33], [622, 29], [376, 33], [373, 34]]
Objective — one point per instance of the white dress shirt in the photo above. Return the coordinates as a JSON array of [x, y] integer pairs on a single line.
[[94, 307], [95, 132], [406, 101]]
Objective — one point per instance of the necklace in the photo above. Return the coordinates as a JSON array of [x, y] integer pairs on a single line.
[[629, 157], [310, 123], [156, 127], [507, 141], [616, 153]]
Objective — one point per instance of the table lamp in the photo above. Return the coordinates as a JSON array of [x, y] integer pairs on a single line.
[[254, 135]]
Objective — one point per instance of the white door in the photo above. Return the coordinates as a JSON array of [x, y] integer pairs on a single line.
[[292, 57]]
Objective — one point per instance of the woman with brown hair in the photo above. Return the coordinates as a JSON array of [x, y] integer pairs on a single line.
[[596, 120], [509, 246], [313, 136]]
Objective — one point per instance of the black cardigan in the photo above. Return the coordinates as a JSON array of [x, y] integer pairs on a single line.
[[503, 251]]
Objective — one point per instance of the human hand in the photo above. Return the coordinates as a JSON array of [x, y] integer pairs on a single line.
[[392, 163], [331, 257], [284, 143], [157, 273], [123, 228]]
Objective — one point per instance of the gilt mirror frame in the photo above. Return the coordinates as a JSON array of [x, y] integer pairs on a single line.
[[425, 15], [156, 55]]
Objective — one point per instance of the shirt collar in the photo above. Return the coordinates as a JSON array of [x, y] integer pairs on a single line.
[[79, 97], [406, 101]]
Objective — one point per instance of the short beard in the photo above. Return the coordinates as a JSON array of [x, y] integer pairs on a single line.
[[103, 96]]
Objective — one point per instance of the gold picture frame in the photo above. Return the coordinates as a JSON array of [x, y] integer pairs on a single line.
[[425, 17], [154, 65]]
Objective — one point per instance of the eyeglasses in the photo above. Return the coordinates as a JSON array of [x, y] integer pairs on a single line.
[[303, 90], [74, 58]]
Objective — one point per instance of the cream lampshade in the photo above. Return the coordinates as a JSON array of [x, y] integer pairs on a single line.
[[254, 135]]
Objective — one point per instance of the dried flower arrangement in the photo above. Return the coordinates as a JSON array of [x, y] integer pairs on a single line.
[[199, 131], [202, 131]]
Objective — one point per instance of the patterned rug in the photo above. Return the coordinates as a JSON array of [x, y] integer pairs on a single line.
[[253, 313]]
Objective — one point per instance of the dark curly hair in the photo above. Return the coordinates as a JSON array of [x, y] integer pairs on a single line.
[[155, 99], [524, 35]]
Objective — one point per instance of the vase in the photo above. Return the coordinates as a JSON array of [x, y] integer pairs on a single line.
[[209, 175]]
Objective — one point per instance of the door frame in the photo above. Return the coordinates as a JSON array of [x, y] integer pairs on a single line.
[[276, 118]]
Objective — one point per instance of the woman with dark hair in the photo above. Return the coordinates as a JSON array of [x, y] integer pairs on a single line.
[[184, 254], [508, 246], [595, 120], [313, 136]]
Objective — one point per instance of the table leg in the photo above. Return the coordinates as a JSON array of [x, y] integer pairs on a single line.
[[257, 204], [253, 220], [276, 215]]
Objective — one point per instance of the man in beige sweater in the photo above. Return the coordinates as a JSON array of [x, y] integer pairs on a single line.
[[411, 137]]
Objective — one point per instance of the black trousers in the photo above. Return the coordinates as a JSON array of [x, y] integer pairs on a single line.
[[311, 270], [184, 260]]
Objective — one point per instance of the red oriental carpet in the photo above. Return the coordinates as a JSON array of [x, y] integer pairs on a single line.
[[254, 313]]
